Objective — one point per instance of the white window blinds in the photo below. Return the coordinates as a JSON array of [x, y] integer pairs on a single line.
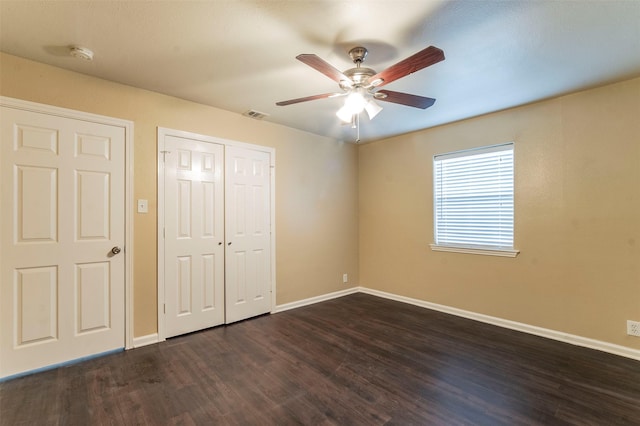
[[473, 198]]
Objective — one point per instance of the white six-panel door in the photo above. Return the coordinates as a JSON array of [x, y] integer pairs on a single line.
[[214, 220], [248, 232], [194, 235], [63, 212]]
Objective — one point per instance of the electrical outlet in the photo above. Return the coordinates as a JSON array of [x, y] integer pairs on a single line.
[[345, 278], [633, 328]]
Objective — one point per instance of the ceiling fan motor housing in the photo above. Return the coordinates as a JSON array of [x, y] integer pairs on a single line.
[[360, 75]]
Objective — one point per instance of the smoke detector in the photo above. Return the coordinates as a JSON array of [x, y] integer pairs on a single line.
[[81, 53]]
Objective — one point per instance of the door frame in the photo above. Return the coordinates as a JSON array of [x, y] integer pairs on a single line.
[[127, 125], [162, 132]]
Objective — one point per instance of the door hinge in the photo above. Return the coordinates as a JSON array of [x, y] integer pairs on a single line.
[[164, 308], [164, 155]]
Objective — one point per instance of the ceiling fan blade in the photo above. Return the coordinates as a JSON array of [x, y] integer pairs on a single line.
[[323, 66], [413, 63], [308, 98], [404, 99]]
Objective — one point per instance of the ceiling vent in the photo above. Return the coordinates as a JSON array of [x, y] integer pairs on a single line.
[[255, 114]]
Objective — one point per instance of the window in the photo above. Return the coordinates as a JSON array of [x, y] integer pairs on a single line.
[[473, 201]]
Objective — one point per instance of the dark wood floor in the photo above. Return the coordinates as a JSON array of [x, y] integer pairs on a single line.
[[357, 360]]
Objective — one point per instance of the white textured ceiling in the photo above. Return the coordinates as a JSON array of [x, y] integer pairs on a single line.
[[240, 55]]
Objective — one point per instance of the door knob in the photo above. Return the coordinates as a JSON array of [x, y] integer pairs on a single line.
[[229, 243], [116, 250]]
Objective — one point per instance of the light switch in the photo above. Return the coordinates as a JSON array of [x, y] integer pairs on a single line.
[[143, 206]]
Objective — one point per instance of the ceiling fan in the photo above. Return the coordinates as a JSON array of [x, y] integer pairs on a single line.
[[360, 84]]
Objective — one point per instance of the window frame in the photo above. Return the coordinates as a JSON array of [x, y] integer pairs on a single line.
[[472, 248]]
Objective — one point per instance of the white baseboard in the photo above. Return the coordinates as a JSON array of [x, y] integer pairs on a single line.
[[312, 300], [518, 326], [513, 325], [149, 339]]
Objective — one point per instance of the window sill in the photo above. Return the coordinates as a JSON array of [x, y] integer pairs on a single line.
[[468, 250]]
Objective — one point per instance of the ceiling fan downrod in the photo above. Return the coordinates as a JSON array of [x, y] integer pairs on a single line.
[[358, 76]]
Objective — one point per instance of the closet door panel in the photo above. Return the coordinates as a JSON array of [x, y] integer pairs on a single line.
[[248, 224]]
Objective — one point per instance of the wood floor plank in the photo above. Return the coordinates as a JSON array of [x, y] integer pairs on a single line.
[[357, 360]]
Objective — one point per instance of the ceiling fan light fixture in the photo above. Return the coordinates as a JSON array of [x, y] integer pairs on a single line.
[[353, 105], [345, 114], [372, 108], [346, 84], [355, 102]]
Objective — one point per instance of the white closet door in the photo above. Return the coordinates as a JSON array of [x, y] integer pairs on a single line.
[[194, 235], [63, 210], [248, 237]]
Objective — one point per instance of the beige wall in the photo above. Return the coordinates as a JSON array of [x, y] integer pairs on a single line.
[[577, 216], [316, 179]]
